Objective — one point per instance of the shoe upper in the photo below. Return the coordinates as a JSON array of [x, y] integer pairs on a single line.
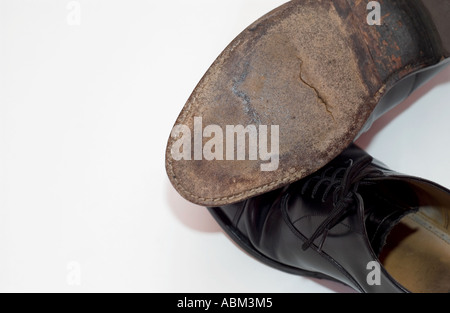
[[402, 90], [337, 222]]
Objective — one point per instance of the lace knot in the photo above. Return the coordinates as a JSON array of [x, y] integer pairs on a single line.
[[345, 193]]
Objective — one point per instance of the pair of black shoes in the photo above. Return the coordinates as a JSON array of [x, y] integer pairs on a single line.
[[322, 73]]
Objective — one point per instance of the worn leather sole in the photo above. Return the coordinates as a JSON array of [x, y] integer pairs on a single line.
[[315, 74]]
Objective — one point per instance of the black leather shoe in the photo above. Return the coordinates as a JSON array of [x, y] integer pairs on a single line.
[[354, 221]]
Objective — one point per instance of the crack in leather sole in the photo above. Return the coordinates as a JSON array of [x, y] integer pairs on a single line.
[[345, 64]]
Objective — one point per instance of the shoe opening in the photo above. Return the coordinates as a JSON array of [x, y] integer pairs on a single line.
[[417, 249]]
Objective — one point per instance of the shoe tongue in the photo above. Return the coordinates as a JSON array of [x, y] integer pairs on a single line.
[[384, 212]]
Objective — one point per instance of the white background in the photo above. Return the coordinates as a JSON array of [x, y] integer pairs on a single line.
[[85, 112]]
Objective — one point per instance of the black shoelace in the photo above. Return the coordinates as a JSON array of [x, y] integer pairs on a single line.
[[344, 196]]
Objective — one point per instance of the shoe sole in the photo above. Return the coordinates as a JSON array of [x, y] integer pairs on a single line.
[[316, 70]]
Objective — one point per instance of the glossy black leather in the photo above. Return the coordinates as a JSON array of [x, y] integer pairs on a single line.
[[402, 90], [274, 227]]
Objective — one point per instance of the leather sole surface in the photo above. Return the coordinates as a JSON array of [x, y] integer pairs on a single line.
[[293, 90]]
